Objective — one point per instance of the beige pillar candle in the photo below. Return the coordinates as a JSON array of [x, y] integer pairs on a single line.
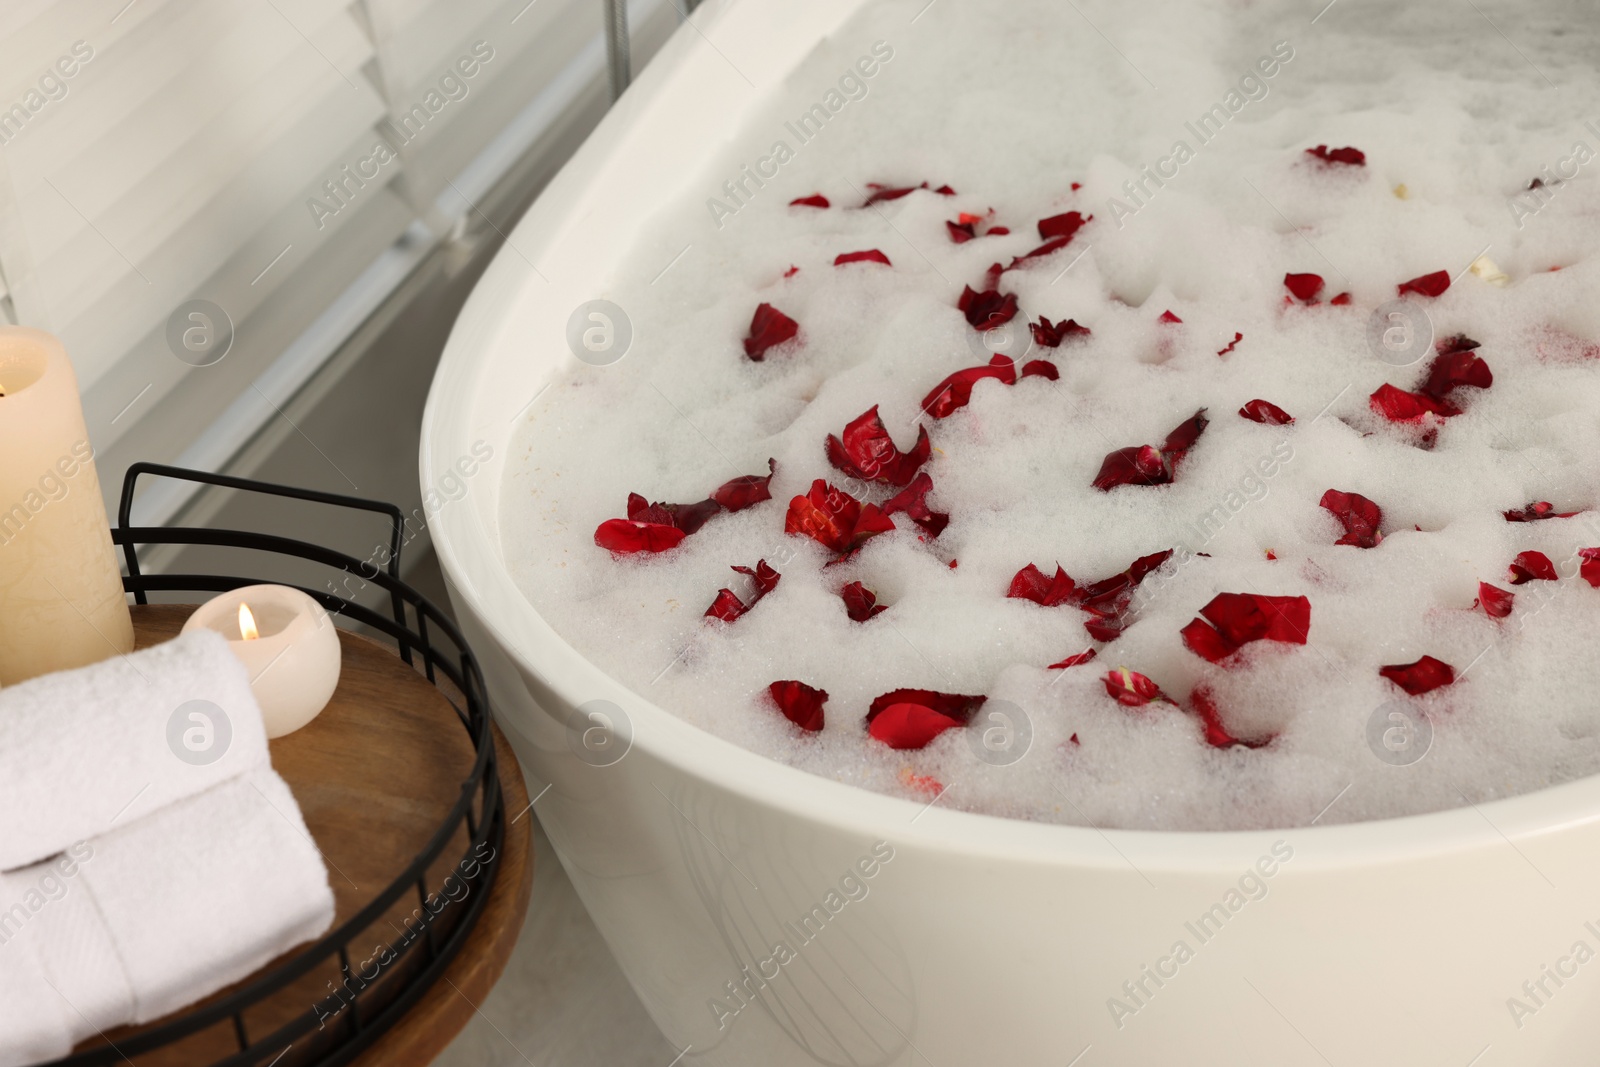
[[61, 599]]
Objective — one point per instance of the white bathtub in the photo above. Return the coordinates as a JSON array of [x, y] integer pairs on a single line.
[[982, 941]]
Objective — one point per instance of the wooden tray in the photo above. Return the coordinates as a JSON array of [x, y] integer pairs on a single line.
[[374, 776]]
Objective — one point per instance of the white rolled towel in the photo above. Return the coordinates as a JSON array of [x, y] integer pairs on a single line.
[[156, 915], [84, 751]]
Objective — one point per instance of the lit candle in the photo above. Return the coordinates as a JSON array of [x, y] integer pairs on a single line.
[[61, 596], [287, 643]]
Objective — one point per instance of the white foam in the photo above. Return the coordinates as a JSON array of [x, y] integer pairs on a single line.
[[1010, 104]]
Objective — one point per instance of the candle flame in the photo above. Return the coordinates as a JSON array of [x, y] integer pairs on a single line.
[[247, 623]]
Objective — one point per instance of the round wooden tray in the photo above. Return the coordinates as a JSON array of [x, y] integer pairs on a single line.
[[374, 775]]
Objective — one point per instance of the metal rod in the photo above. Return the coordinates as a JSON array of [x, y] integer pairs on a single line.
[[616, 18]]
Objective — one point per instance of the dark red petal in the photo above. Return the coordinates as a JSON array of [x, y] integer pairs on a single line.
[[1049, 334], [1397, 405], [690, 517], [1532, 567], [1104, 627], [955, 392], [871, 255], [1540, 509], [623, 535], [800, 704], [1181, 439], [913, 500], [960, 232], [1342, 300], [814, 200], [1350, 157], [945, 190], [883, 194], [1427, 284], [727, 606], [1359, 516], [1062, 226], [748, 489], [987, 310], [1041, 368], [1589, 569], [1132, 689], [1244, 617], [1420, 677], [910, 718], [1304, 287], [1217, 736], [997, 231], [1452, 370], [763, 578], [868, 453], [860, 603], [791, 272], [1496, 603], [1030, 584], [1140, 465], [1265, 411], [1168, 316], [769, 328], [1456, 343], [1101, 596], [1074, 661], [1231, 345]]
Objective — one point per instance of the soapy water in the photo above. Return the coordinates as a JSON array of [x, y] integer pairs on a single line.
[[1009, 105]]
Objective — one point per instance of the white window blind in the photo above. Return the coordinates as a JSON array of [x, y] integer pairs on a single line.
[[288, 161]]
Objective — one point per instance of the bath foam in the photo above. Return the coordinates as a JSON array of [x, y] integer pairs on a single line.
[[999, 117]]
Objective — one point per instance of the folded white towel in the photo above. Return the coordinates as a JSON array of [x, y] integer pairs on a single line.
[[156, 916], [82, 751]]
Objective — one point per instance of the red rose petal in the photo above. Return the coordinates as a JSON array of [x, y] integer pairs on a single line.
[[1240, 618], [1074, 661], [910, 718], [960, 232], [860, 603], [1147, 465], [955, 392], [1183, 438], [1589, 569], [1350, 157], [1429, 285], [1132, 689], [1217, 736], [623, 535], [1342, 300], [1397, 405], [1169, 317], [1062, 226], [1452, 370], [871, 255], [834, 518], [987, 310], [1359, 516], [1496, 603], [1041, 368], [1030, 583], [800, 703], [1532, 567], [1049, 334], [1536, 512], [1424, 675], [728, 607], [748, 489], [1266, 412], [769, 328], [1304, 287], [913, 500], [1237, 337], [867, 452], [814, 200], [883, 194]]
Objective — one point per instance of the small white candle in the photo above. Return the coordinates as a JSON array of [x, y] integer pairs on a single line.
[[61, 596], [287, 643]]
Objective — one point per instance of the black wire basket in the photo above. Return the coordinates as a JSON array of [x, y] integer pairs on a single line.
[[362, 1005]]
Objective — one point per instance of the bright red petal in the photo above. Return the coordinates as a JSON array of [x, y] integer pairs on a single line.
[[1397, 405], [1231, 345], [1049, 334], [769, 328], [868, 453], [1264, 411], [955, 392], [860, 603], [1589, 569], [800, 703], [1304, 287], [1453, 370], [1059, 226], [1217, 735], [748, 489], [871, 255], [1424, 675], [1537, 511], [1496, 603], [1350, 157], [1132, 689], [1532, 567], [1030, 583], [913, 500], [910, 718], [622, 535], [1041, 368], [1429, 285], [1074, 661], [1359, 516], [814, 200], [1168, 317], [1140, 465]]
